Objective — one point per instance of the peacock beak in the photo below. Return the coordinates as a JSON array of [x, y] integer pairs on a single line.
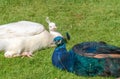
[[58, 42], [55, 28], [55, 43]]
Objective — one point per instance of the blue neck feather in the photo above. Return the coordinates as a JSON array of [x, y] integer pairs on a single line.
[[62, 59], [61, 47]]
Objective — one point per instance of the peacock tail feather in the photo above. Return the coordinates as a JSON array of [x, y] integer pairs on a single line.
[[87, 65]]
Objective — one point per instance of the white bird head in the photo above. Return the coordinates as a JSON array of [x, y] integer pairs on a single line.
[[52, 25]]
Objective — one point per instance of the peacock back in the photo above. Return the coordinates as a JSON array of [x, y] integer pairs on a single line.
[[85, 64]]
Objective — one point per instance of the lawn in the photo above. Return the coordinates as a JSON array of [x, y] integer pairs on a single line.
[[85, 20]]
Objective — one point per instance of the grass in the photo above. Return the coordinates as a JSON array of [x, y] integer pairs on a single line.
[[85, 20]]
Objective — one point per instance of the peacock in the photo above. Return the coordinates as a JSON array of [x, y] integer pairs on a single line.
[[87, 58], [22, 38]]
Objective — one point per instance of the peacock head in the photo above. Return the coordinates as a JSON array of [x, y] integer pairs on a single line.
[[59, 41], [52, 25]]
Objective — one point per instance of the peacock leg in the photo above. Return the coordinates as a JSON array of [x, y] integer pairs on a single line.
[[27, 54]]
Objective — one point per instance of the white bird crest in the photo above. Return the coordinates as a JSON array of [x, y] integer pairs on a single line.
[[52, 25]]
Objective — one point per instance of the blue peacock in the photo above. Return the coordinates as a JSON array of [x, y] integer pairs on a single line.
[[87, 58]]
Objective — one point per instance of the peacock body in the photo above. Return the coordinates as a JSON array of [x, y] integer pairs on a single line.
[[22, 38], [82, 58]]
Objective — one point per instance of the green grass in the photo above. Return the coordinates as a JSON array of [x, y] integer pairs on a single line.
[[85, 20]]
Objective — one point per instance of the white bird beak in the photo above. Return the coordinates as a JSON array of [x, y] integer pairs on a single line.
[[55, 28]]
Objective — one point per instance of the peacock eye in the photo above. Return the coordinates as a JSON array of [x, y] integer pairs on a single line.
[[58, 40]]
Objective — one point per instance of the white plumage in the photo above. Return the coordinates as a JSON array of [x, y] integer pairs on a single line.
[[23, 38], [52, 28], [25, 45], [21, 28]]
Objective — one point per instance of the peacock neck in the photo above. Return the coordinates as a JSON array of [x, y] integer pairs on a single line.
[[63, 59], [63, 46], [52, 31]]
